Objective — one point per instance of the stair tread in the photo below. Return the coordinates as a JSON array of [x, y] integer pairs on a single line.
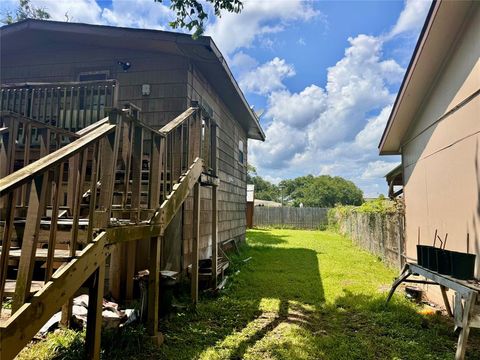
[[10, 286], [41, 254]]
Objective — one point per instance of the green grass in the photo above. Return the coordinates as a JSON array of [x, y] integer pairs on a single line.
[[303, 295]]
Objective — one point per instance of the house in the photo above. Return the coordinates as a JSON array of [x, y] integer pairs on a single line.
[[160, 72], [267, 203], [435, 127], [145, 138]]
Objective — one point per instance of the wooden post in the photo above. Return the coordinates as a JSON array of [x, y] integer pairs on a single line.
[[108, 166], [131, 246], [213, 165], [36, 206], [153, 286], [7, 238], [94, 315], [77, 199], [214, 237], [213, 148], [127, 135], [156, 157], [137, 159], [12, 137], [196, 241], [93, 190], [108, 162], [72, 180], [53, 221], [27, 134]]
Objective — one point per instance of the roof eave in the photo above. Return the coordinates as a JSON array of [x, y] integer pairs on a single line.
[[253, 117], [383, 150]]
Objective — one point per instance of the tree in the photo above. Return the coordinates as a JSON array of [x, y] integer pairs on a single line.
[[264, 190], [191, 14], [322, 191], [25, 10]]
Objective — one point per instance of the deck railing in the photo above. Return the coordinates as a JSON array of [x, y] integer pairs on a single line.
[[118, 179], [70, 105]]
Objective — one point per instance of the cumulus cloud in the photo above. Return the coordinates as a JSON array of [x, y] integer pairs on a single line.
[[132, 13], [411, 18], [333, 130], [87, 11], [145, 14], [257, 19], [242, 62], [357, 85], [267, 77], [379, 168], [297, 109]]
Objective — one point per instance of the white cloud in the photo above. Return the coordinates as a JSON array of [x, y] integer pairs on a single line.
[[273, 179], [145, 14], [258, 18], [412, 17], [333, 130], [267, 77], [297, 109], [368, 138], [376, 169], [87, 11], [132, 13], [242, 62]]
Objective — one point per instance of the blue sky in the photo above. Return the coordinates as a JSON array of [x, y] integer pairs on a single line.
[[324, 73]]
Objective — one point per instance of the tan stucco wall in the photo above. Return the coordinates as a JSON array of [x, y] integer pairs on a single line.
[[441, 159]]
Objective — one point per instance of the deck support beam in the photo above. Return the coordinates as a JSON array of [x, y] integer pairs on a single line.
[[154, 286], [196, 241], [94, 315]]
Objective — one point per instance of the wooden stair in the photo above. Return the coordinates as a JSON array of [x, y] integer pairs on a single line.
[[179, 154]]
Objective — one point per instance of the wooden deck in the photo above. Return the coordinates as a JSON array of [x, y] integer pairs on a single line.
[[126, 208]]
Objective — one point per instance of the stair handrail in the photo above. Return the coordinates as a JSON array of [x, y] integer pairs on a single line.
[[27, 173], [37, 173]]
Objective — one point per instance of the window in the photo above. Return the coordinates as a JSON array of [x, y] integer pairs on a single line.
[[93, 75], [240, 152]]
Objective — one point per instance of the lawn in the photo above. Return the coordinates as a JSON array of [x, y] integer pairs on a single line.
[[303, 295]]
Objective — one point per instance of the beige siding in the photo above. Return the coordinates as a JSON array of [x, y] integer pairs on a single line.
[[441, 158]]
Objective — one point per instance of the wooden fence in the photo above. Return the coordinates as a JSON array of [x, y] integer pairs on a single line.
[[291, 217], [381, 234]]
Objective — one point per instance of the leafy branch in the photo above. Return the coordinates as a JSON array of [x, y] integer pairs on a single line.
[[191, 14], [25, 10]]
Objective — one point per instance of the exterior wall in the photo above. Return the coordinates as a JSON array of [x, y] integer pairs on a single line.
[[173, 84], [166, 74], [441, 154], [233, 174]]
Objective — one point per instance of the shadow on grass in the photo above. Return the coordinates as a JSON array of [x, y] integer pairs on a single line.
[[263, 237], [275, 308]]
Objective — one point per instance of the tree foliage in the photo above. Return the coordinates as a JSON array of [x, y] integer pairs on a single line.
[[191, 14], [25, 10], [309, 190], [264, 190], [322, 191]]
